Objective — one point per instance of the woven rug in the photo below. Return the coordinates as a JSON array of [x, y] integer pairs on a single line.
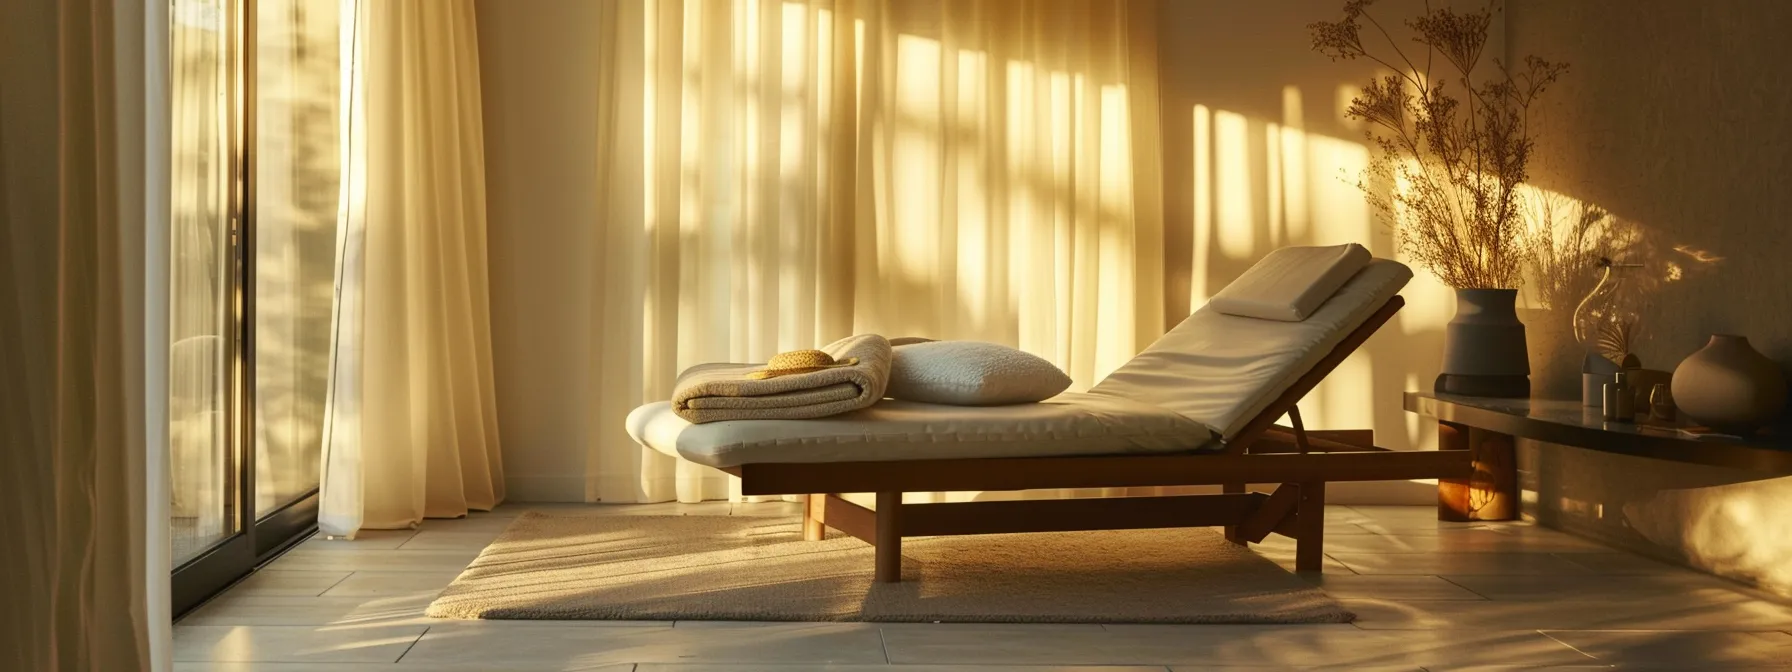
[[609, 567]]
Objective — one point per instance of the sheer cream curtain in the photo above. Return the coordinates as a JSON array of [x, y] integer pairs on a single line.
[[83, 288], [778, 174], [411, 424]]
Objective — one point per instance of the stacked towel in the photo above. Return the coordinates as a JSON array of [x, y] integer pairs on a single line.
[[717, 392]]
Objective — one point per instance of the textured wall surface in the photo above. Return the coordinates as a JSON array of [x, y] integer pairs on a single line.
[[1675, 118]]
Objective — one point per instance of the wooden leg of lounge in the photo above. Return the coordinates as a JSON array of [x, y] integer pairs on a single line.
[[889, 537], [1232, 532], [1309, 525], [815, 518]]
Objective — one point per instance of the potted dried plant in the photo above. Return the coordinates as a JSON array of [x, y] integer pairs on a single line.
[[1451, 145]]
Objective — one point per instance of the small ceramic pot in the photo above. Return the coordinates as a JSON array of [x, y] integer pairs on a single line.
[[1729, 387]]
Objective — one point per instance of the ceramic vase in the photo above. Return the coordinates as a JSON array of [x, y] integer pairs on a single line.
[[1484, 347], [1729, 387]]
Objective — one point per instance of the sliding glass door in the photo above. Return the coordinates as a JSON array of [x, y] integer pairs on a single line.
[[296, 162], [254, 96], [203, 463]]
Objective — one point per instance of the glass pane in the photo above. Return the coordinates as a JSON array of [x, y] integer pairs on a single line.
[[295, 240], [202, 467]]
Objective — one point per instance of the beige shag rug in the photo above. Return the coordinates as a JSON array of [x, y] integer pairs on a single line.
[[607, 567]]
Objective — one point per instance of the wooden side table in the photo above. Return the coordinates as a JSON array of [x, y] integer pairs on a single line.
[[1489, 428]]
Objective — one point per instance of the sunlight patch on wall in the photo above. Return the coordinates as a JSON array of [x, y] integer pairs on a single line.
[[1272, 187], [1296, 214], [1341, 214], [1234, 216], [1346, 398], [1203, 207]]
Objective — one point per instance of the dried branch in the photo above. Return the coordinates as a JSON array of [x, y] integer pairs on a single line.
[[1447, 167]]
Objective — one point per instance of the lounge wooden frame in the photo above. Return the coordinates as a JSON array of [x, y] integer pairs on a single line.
[[1301, 461]]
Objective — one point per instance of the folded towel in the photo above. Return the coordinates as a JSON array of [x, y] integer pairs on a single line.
[[716, 392]]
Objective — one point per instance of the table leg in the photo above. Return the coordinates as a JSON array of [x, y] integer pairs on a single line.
[[1491, 491], [815, 518]]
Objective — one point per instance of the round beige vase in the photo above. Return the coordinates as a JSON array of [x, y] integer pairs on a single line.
[[1729, 387]]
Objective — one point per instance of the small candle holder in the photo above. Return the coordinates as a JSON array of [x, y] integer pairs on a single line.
[[1661, 404]]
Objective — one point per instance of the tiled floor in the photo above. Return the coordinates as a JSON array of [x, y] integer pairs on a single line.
[[1428, 595]]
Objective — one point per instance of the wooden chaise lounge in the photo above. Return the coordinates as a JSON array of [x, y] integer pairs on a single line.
[[1244, 445]]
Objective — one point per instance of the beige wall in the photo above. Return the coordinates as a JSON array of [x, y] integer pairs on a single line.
[[1675, 118], [537, 63]]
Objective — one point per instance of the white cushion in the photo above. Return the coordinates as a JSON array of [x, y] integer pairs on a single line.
[[1222, 370], [1069, 424], [1291, 283], [972, 373]]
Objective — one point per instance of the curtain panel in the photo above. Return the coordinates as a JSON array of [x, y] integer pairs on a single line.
[[410, 428], [83, 283], [777, 174]]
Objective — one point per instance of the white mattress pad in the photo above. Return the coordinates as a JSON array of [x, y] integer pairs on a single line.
[[1222, 370], [1065, 425]]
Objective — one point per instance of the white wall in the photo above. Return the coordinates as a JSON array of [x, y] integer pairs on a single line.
[[1273, 131], [537, 62]]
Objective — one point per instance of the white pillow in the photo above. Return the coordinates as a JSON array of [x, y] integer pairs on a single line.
[[972, 373], [1292, 282]]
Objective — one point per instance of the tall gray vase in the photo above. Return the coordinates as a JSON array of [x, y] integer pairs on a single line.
[[1484, 347]]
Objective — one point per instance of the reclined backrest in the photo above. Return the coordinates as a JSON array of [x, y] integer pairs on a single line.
[[1223, 369]]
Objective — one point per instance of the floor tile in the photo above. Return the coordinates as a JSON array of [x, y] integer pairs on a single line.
[[363, 541], [1392, 587], [1682, 650], [1457, 563], [1591, 587], [297, 644], [431, 539], [1468, 540], [481, 523], [1617, 562], [1333, 529], [1659, 612], [1386, 518], [527, 643], [233, 609], [299, 583], [1220, 645], [1284, 558], [373, 560], [373, 583]]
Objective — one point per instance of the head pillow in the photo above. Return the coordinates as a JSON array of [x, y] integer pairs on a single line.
[[1291, 283], [971, 373]]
